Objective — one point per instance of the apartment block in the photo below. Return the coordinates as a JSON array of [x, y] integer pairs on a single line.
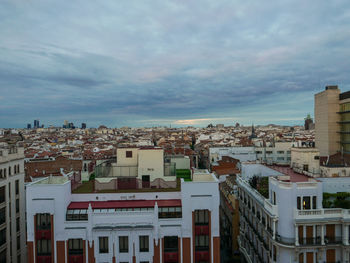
[[290, 217], [128, 224], [12, 204]]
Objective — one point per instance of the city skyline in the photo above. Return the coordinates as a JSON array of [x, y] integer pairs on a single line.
[[169, 63]]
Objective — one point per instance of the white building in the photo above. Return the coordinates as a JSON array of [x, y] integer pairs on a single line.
[[282, 218], [12, 204], [135, 225]]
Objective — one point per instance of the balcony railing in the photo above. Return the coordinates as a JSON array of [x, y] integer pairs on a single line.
[[322, 213], [333, 240], [310, 241]]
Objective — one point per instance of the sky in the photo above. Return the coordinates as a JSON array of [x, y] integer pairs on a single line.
[[178, 63]]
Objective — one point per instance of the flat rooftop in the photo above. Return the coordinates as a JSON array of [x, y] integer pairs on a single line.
[[294, 177]]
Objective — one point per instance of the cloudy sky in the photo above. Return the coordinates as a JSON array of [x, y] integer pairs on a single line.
[[179, 63]]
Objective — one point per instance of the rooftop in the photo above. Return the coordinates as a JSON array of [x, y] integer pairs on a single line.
[[293, 176]]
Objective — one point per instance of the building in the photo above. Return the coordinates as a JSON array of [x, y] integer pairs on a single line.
[[36, 124], [291, 217], [125, 224], [29, 126], [308, 123], [12, 204], [332, 121], [83, 125], [242, 154]]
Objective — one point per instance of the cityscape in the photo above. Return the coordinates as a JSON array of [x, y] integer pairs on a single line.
[[175, 131]]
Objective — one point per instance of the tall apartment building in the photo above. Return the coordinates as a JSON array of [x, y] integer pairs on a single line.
[[12, 204], [332, 121], [283, 217], [127, 216]]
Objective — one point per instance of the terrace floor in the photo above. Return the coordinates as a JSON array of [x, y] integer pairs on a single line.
[[294, 177]]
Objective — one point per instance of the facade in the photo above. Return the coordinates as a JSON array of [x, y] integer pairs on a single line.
[[12, 204], [243, 154], [133, 227], [332, 121], [124, 225], [287, 221]]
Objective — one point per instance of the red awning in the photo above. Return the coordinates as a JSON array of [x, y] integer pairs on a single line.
[[125, 204]]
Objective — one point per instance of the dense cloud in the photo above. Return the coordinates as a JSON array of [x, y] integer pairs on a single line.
[[169, 62]]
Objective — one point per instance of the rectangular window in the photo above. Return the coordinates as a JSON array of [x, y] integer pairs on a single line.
[[77, 215], [17, 224], [75, 246], [144, 243], [17, 205], [171, 244], [2, 236], [314, 203], [2, 194], [298, 202], [123, 244], [306, 203], [18, 242], [43, 221], [280, 152], [44, 247], [128, 154], [2, 215], [17, 187], [103, 245], [3, 255], [170, 212], [201, 217], [202, 242]]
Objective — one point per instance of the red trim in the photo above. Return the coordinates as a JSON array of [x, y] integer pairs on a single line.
[[125, 204]]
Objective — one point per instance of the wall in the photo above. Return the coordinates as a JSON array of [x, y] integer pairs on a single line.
[[123, 161], [151, 162]]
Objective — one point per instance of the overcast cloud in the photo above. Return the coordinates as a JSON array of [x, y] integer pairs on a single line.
[[145, 63]]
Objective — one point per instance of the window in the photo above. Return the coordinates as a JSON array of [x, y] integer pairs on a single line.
[[268, 152], [280, 158], [18, 168], [298, 203], [314, 203], [18, 242], [169, 212], [306, 167], [202, 242], [9, 170], [2, 194], [17, 224], [2, 236], [103, 244], [1, 176], [144, 243], [306, 203], [76, 215], [17, 187], [128, 154], [17, 205], [43, 247], [2, 215], [43, 221], [123, 244], [75, 246], [280, 152], [4, 172], [201, 217], [145, 181], [3, 256], [171, 244]]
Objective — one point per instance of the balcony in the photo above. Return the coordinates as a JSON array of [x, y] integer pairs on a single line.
[[332, 240], [310, 241], [44, 259], [202, 229], [330, 213], [43, 234], [171, 257], [201, 255], [285, 240], [75, 258]]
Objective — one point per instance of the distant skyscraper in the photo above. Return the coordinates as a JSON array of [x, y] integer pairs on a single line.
[[83, 125], [29, 126], [36, 124], [308, 122]]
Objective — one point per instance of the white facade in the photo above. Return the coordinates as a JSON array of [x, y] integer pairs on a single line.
[[12, 205], [290, 225], [53, 196]]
